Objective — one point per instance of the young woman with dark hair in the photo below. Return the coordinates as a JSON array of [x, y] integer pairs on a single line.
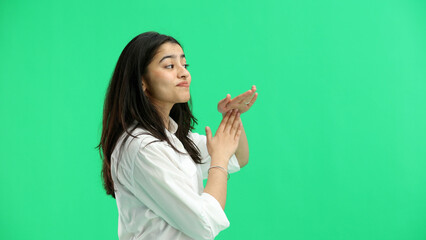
[[153, 164]]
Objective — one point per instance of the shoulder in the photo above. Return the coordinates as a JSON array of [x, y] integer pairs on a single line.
[[132, 142], [137, 151], [138, 139], [196, 137]]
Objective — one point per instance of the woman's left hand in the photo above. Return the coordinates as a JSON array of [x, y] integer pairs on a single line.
[[242, 102]]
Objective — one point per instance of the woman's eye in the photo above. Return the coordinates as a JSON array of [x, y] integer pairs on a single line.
[[171, 66]]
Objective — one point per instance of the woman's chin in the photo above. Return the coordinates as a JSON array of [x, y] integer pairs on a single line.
[[186, 99]]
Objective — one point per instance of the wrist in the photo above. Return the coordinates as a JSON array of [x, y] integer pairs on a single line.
[[219, 161], [224, 113], [221, 169]]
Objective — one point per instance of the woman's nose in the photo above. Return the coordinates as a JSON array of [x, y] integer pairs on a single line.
[[183, 72]]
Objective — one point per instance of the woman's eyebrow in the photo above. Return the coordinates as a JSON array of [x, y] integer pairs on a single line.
[[172, 56]]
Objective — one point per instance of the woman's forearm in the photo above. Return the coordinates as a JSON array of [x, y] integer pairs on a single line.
[[217, 178], [217, 181], [242, 152]]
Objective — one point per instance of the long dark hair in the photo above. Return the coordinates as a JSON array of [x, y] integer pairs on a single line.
[[126, 103]]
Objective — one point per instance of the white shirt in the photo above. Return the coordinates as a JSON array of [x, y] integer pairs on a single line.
[[159, 192]]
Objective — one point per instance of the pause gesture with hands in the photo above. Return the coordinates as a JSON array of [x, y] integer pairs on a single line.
[[242, 102], [225, 141]]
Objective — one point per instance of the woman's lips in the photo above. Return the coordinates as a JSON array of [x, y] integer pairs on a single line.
[[183, 84]]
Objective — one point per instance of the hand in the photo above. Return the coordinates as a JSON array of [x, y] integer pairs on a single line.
[[242, 102], [227, 137]]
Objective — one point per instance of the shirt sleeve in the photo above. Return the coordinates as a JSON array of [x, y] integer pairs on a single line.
[[201, 142], [162, 187]]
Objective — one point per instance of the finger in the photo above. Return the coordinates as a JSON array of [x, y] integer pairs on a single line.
[[235, 124], [242, 95], [225, 100], [235, 102], [248, 98], [222, 101], [238, 133], [223, 122], [208, 134], [253, 89], [228, 100], [231, 120], [245, 96], [253, 100]]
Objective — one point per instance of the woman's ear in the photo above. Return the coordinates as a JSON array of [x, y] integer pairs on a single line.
[[143, 84]]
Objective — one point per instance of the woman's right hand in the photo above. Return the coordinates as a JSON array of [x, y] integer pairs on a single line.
[[225, 142]]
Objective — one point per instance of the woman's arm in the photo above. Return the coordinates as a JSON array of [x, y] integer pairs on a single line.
[[220, 148], [243, 103], [154, 179], [242, 152]]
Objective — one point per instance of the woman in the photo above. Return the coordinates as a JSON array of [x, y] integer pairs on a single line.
[[153, 165]]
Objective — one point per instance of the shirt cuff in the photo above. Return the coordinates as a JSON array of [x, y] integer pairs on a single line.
[[233, 165], [217, 217]]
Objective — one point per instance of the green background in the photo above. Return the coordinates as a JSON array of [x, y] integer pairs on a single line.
[[337, 136]]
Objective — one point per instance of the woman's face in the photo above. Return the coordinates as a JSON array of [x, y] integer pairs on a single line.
[[167, 80]]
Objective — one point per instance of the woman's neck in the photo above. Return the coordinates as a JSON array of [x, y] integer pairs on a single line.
[[164, 111]]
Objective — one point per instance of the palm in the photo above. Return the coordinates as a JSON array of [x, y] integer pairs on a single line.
[[242, 102]]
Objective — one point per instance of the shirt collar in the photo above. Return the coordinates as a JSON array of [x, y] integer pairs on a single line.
[[172, 126]]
